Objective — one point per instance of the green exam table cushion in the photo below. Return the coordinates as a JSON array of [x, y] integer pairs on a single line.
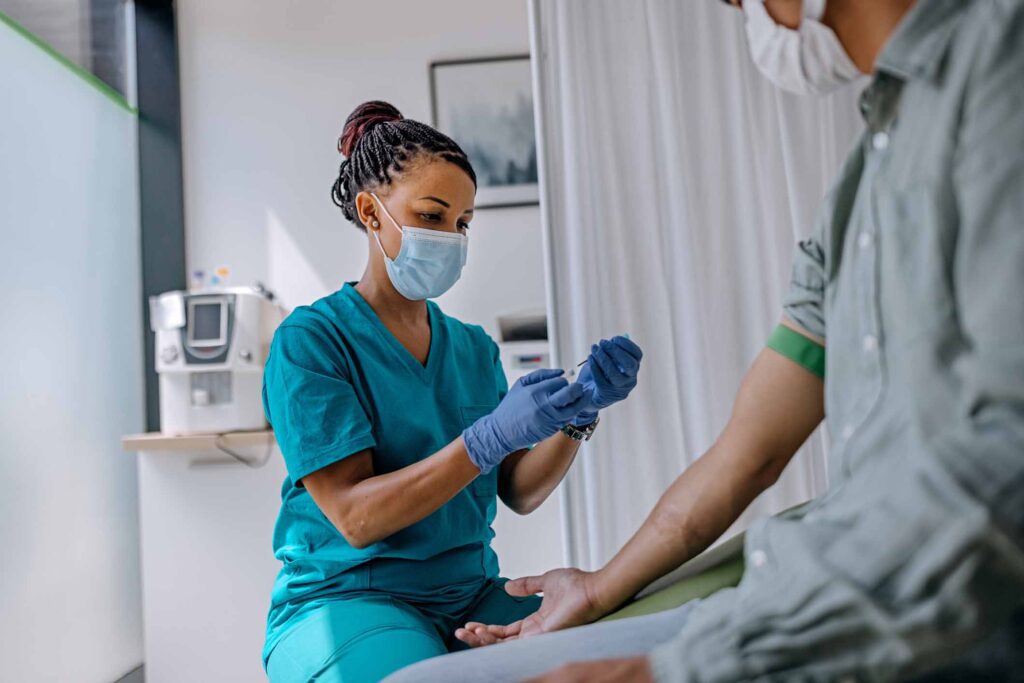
[[725, 575]]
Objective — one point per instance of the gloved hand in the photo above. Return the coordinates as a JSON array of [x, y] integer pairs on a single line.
[[536, 407], [609, 373]]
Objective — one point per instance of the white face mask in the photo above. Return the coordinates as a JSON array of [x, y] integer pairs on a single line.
[[808, 60]]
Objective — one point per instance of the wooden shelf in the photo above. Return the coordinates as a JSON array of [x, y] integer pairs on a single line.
[[155, 441]]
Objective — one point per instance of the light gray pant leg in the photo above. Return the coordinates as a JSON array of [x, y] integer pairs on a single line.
[[519, 659]]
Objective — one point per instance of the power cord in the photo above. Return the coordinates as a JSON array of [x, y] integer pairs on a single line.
[[252, 464]]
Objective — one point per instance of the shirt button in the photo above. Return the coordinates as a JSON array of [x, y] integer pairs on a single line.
[[758, 558], [847, 432], [865, 240], [880, 140], [870, 343]]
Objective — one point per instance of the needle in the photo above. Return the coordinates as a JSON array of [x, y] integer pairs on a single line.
[[588, 357]]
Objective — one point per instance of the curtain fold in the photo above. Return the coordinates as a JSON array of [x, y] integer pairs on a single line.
[[676, 182]]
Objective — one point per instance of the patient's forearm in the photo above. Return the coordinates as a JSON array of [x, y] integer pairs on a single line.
[[778, 406]]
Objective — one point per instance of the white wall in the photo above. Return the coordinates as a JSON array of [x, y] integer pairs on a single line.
[[71, 375], [63, 24], [266, 87]]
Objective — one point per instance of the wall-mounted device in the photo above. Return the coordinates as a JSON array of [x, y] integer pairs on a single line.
[[211, 345], [523, 344]]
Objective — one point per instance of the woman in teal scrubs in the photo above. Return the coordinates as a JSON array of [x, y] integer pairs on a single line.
[[399, 432]]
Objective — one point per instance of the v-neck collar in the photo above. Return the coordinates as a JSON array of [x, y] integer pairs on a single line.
[[424, 372]]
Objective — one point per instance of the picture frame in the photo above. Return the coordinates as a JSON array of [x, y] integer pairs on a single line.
[[486, 105]]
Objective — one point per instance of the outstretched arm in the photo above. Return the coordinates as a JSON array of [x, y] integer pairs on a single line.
[[778, 405]]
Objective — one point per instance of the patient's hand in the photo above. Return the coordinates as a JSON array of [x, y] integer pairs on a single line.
[[568, 601]]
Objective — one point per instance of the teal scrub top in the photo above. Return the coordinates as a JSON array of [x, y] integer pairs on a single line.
[[338, 382]]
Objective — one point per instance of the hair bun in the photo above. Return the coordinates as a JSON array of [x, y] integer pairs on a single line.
[[364, 118]]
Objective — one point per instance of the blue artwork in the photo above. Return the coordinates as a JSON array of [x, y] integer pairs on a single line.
[[486, 106]]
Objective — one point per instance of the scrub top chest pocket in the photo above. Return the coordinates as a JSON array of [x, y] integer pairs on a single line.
[[471, 414]]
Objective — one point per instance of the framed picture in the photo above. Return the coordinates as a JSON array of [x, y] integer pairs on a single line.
[[486, 105]]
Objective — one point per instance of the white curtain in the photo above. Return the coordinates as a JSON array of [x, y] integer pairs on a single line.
[[675, 183]]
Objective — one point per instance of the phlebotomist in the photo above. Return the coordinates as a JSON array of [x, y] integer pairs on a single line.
[[399, 431]]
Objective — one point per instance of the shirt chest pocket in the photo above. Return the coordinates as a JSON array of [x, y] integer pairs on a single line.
[[918, 240], [484, 486]]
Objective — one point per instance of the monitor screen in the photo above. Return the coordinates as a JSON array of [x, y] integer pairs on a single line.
[[206, 322]]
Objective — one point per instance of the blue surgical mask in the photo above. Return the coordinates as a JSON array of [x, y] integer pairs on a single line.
[[429, 261]]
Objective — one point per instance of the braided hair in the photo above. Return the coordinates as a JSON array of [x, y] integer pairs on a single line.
[[378, 143]]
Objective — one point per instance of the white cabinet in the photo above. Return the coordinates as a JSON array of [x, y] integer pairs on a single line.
[[207, 557]]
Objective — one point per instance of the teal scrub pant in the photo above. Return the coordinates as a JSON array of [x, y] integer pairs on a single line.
[[364, 637]]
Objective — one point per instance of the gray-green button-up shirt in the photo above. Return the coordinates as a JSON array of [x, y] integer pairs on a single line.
[[916, 280]]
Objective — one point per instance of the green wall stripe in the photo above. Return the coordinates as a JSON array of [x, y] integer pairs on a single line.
[[86, 75]]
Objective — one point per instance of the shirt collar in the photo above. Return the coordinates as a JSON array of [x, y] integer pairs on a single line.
[[917, 47]]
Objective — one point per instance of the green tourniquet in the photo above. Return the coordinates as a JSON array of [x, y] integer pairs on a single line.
[[799, 349], [87, 76], [337, 382]]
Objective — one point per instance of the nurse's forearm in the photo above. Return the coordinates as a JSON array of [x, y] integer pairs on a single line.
[[527, 478], [778, 405], [367, 508]]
